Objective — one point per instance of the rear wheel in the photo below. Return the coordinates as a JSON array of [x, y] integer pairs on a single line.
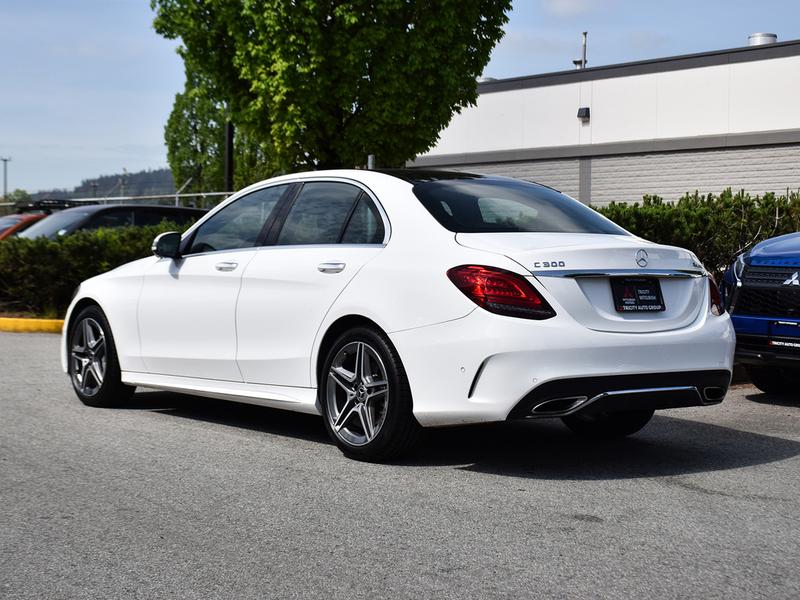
[[93, 365], [775, 380], [608, 425], [365, 397]]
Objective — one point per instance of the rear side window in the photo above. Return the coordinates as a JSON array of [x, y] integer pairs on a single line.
[[489, 205], [239, 224], [319, 214], [365, 225]]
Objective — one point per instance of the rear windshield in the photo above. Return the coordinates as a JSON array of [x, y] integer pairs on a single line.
[[487, 205]]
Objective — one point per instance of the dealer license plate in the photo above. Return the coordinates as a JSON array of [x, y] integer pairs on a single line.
[[637, 294]]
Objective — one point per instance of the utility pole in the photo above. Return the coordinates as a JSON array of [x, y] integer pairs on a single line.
[[580, 63], [583, 57], [5, 176]]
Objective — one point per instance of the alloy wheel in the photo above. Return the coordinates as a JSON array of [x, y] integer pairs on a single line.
[[357, 391], [88, 356]]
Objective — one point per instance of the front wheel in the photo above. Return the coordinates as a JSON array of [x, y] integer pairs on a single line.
[[365, 397], [608, 425], [93, 365]]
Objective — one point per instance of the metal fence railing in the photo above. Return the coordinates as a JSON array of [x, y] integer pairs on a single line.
[[196, 200]]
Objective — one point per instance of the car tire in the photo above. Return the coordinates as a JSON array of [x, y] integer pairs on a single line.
[[365, 397], [774, 380], [608, 425], [92, 361]]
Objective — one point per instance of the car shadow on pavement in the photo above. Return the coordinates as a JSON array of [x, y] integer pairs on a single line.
[[231, 414], [668, 446], [542, 449], [774, 399]]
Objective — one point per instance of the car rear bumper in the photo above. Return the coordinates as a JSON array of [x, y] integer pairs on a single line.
[[615, 393], [486, 367]]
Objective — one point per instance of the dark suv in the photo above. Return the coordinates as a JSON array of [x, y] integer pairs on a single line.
[[95, 216]]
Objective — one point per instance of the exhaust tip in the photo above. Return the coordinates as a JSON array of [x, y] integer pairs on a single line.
[[714, 394], [557, 406]]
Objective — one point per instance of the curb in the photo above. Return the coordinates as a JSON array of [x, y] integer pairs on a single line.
[[31, 325]]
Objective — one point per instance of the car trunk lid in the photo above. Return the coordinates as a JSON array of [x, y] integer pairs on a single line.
[[578, 270]]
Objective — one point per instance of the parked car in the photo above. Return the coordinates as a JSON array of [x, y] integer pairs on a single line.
[[386, 301], [95, 216], [28, 213], [12, 224], [762, 292]]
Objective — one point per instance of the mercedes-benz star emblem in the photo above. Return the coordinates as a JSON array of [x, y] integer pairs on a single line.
[[641, 258]]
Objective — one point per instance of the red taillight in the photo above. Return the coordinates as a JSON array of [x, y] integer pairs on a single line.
[[500, 291], [715, 298]]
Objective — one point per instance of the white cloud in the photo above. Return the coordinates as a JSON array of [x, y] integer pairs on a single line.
[[569, 8]]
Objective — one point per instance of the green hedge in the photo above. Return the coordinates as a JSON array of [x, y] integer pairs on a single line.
[[715, 227], [40, 275]]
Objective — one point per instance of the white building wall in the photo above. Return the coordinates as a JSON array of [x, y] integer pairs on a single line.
[[670, 175], [742, 97]]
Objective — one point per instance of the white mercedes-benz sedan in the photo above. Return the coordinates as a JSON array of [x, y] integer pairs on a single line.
[[387, 301]]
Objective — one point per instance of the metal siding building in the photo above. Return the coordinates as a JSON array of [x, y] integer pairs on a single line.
[[666, 126]]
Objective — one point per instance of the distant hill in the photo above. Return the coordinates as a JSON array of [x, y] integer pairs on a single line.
[[142, 183]]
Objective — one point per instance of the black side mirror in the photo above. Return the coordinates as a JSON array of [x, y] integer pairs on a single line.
[[167, 245]]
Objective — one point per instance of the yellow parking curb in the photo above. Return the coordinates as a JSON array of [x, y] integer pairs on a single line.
[[31, 325]]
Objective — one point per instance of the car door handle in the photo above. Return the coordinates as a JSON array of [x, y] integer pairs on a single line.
[[331, 267], [226, 266]]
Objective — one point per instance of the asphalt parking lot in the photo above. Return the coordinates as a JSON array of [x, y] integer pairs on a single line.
[[180, 497]]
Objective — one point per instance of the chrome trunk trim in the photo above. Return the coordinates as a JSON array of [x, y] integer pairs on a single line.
[[593, 273]]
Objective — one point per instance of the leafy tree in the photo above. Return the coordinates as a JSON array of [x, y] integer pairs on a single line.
[[17, 196], [324, 83], [195, 137]]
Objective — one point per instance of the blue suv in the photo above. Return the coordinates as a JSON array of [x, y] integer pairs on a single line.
[[762, 293]]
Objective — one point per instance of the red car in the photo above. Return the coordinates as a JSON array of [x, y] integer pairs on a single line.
[[11, 224]]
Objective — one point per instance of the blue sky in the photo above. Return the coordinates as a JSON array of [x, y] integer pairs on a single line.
[[88, 85]]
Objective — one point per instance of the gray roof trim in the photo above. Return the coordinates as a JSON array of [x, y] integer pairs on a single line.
[[644, 67], [704, 142]]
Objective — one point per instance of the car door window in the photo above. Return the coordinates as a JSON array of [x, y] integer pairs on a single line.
[[239, 224], [365, 225], [110, 218], [319, 214]]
